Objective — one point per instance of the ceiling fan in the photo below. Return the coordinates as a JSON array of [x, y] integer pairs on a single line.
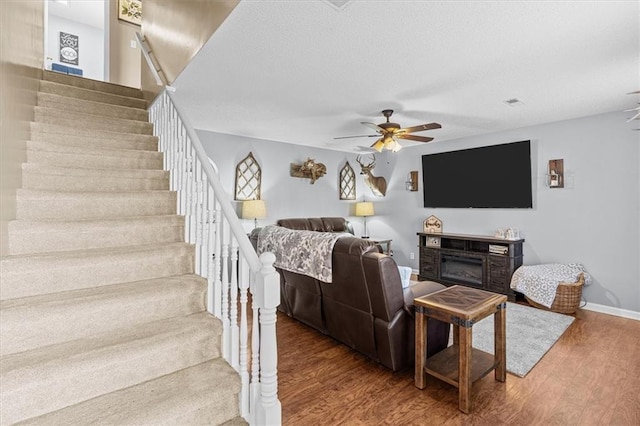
[[389, 133]]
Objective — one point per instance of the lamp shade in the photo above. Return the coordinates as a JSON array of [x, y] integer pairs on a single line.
[[254, 209], [364, 208]]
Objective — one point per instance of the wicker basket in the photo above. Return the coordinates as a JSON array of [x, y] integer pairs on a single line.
[[568, 296]]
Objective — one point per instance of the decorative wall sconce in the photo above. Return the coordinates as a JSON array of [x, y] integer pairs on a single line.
[[555, 174], [412, 181]]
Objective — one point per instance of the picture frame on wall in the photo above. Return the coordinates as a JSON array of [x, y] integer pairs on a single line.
[[130, 11], [69, 48]]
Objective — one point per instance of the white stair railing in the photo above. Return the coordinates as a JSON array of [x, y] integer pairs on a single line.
[[226, 258]]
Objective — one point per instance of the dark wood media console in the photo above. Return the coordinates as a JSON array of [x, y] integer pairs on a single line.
[[459, 259]]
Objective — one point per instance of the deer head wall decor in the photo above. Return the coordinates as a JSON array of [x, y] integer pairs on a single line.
[[378, 184]]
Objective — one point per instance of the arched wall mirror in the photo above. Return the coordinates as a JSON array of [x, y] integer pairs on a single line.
[[347, 183], [248, 179]]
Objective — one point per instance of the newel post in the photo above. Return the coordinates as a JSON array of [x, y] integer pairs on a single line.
[[269, 411]]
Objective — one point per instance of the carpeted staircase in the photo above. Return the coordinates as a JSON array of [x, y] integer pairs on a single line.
[[102, 318]]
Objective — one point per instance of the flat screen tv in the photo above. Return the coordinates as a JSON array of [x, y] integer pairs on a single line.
[[496, 176]]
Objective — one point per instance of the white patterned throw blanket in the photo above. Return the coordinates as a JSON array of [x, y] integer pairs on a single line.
[[304, 252], [539, 282]]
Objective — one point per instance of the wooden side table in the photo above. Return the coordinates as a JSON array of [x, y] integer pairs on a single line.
[[460, 364], [383, 241]]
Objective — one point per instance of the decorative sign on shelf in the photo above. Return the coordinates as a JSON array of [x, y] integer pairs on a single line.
[[433, 241], [432, 225]]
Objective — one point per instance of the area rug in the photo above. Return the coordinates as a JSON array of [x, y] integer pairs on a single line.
[[531, 333]]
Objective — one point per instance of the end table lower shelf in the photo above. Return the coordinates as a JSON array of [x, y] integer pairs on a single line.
[[444, 365]]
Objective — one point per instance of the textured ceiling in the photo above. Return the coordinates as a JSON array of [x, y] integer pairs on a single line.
[[305, 72]]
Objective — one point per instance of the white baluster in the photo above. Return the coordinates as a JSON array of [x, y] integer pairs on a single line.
[[226, 350], [254, 387], [244, 336], [198, 217], [203, 252], [193, 194], [218, 260], [211, 235], [233, 306], [269, 410]]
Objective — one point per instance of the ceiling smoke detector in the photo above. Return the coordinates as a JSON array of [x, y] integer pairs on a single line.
[[514, 102]]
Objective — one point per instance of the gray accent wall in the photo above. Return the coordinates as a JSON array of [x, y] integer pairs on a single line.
[[285, 196], [594, 220]]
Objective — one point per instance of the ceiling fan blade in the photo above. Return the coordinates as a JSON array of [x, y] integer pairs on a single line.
[[635, 117], [359, 136], [414, 138], [373, 126], [422, 127]]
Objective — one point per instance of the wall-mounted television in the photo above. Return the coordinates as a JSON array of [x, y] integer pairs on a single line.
[[496, 176]]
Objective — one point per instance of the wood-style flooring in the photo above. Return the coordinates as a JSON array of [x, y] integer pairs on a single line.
[[591, 376]]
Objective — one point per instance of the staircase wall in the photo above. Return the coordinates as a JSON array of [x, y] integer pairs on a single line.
[[194, 21], [22, 47]]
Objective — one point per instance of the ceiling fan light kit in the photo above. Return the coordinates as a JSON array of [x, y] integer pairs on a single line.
[[389, 133]]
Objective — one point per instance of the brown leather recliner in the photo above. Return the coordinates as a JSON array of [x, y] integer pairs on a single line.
[[365, 307]]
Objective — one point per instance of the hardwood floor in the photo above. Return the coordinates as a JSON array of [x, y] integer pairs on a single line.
[[591, 376]]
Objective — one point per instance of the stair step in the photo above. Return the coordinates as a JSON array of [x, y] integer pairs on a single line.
[[89, 157], [37, 274], [86, 368], [75, 105], [32, 322], [205, 394], [91, 95], [36, 205], [86, 83], [90, 121], [60, 135], [53, 178], [31, 237]]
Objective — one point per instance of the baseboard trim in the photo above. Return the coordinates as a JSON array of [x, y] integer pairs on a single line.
[[604, 309]]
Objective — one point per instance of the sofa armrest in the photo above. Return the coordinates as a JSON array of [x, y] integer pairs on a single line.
[[419, 289]]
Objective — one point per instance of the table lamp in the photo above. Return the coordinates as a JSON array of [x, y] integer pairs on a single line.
[[364, 209], [254, 209]]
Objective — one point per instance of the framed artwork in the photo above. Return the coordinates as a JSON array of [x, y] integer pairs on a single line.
[[130, 11], [69, 48]]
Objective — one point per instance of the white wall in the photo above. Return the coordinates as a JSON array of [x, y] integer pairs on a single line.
[[91, 45], [594, 220], [285, 196]]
